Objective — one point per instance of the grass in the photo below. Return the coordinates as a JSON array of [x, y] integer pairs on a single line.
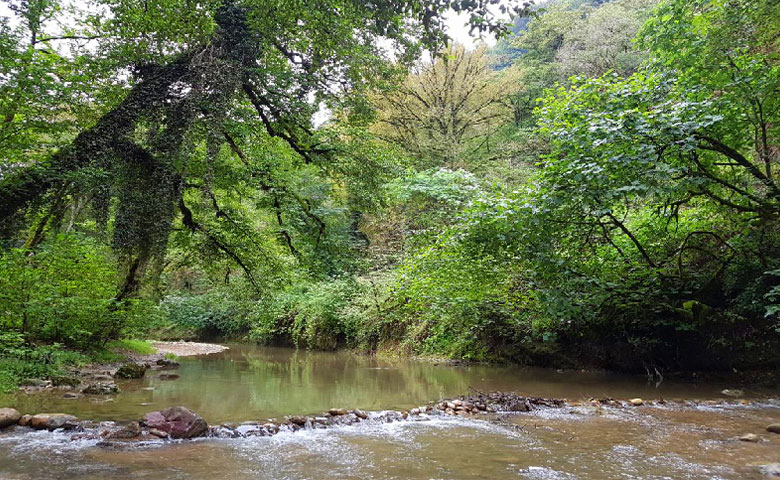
[[141, 347], [19, 363]]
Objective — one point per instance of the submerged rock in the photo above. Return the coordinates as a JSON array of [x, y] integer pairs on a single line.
[[773, 428], [168, 376], [53, 421], [131, 370], [178, 422], [9, 416]]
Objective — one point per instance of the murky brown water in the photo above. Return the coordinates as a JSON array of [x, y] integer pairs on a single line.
[[255, 383]]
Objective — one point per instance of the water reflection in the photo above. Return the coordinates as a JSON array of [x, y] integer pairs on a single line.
[[249, 382]]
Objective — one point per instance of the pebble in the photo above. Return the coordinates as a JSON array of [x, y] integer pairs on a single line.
[[158, 433]]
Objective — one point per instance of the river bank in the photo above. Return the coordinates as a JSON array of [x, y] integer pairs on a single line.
[[99, 377]]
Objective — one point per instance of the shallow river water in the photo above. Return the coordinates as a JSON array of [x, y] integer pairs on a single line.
[[691, 441]]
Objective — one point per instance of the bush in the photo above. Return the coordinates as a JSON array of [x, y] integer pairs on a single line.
[[217, 313], [64, 292], [20, 361], [308, 315]]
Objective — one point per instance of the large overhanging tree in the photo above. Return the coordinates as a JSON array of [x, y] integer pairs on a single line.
[[177, 83]]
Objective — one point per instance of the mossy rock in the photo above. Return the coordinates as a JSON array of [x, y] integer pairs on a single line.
[[131, 370], [65, 380], [101, 389]]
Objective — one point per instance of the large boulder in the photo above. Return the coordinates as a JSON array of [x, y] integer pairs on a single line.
[[131, 370], [9, 416], [53, 421], [177, 422]]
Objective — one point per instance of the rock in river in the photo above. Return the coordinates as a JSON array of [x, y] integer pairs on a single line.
[[177, 422], [101, 389], [9, 416], [131, 430], [773, 428], [53, 421], [165, 363], [637, 402], [732, 392], [750, 437], [131, 370]]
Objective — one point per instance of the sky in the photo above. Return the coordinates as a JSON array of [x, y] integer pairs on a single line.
[[457, 29]]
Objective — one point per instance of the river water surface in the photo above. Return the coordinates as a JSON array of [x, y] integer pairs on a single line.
[[694, 440]]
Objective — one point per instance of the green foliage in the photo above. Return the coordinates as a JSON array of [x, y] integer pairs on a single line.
[[63, 292], [19, 361], [216, 313], [308, 315], [141, 347]]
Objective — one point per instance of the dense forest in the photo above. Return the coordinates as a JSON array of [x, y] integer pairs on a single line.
[[598, 189]]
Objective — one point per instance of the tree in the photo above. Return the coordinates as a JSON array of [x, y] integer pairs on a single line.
[[673, 168], [446, 110], [601, 40], [206, 78]]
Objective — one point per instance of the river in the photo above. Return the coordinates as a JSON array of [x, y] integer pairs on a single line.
[[692, 440]]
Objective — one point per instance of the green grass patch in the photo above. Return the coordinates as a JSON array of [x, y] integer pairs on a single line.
[[141, 347]]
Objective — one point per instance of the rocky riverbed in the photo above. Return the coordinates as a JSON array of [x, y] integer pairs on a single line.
[[180, 423]]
